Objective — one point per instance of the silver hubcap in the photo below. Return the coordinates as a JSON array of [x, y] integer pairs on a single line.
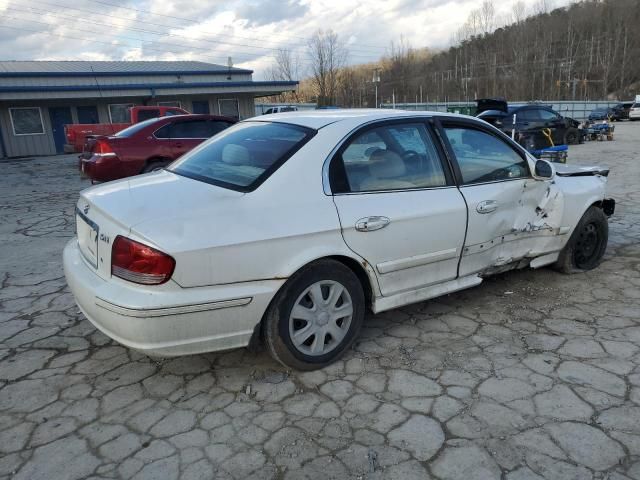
[[320, 318]]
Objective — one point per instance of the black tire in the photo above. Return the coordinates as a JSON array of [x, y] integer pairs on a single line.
[[587, 244], [155, 165], [571, 137], [275, 326]]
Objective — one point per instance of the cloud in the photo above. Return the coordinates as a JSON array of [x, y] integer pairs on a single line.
[[271, 11], [249, 31]]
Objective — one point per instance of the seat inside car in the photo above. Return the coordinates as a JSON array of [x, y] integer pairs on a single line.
[[385, 169]]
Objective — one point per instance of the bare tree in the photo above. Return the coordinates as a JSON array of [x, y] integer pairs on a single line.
[[327, 56], [285, 67]]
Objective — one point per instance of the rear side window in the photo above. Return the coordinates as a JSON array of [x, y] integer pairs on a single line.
[[135, 128], [527, 116], [390, 157], [243, 156], [483, 157], [195, 129]]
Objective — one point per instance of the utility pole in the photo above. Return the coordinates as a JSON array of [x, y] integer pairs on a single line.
[[376, 81]]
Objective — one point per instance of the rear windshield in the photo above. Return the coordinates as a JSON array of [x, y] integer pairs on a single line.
[[135, 128], [244, 155]]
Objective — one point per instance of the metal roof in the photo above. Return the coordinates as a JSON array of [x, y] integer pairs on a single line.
[[19, 68]]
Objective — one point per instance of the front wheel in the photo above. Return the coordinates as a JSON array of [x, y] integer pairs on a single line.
[[315, 317], [588, 242]]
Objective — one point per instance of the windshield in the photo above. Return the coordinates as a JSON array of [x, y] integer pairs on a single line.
[[243, 156], [135, 128]]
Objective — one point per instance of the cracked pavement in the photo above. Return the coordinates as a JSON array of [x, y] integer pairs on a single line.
[[532, 374]]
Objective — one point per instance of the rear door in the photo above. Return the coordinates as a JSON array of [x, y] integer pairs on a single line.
[[555, 123], [398, 206], [59, 116]]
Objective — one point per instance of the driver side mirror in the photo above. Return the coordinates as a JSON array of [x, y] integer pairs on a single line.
[[543, 169]]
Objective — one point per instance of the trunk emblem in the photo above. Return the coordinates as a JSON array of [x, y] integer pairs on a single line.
[[85, 209]]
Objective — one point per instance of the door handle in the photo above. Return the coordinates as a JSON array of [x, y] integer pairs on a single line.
[[370, 224], [487, 206]]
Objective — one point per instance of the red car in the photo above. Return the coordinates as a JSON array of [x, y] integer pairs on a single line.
[[147, 146]]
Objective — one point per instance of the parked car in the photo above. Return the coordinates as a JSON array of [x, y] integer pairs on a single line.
[[531, 119], [600, 114], [77, 133], [147, 146], [280, 109], [634, 112], [621, 111], [288, 228]]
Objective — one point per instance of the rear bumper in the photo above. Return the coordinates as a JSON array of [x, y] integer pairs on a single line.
[[168, 320], [101, 168]]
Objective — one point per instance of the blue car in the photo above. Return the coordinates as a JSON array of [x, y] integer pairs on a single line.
[[602, 114]]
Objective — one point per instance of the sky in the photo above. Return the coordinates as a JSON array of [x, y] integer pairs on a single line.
[[248, 31]]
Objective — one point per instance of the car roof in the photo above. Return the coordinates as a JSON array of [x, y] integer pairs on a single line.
[[317, 119]]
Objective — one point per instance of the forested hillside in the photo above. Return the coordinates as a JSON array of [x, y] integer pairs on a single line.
[[587, 50]]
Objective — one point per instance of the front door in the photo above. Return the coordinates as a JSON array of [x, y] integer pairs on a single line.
[[398, 207], [59, 116], [506, 205]]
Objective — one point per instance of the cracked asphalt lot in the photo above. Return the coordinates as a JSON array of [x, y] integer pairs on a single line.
[[531, 375]]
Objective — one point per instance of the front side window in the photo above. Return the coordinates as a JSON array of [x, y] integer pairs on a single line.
[[26, 121], [548, 116], [483, 157], [391, 157], [243, 156], [119, 112]]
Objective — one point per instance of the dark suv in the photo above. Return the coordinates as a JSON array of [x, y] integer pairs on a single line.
[[531, 120], [621, 111]]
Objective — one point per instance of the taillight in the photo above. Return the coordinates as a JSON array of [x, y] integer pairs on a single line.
[[139, 263], [103, 148]]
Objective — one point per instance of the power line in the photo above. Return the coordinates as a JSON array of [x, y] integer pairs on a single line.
[[84, 39], [367, 51], [191, 19]]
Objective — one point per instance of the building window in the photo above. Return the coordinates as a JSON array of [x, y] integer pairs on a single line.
[[27, 121], [119, 112], [229, 107], [173, 103]]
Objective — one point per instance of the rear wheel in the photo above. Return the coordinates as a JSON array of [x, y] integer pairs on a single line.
[[315, 317], [154, 166], [571, 137], [588, 242]]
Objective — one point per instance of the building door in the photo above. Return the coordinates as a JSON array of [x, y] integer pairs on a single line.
[[201, 106], [229, 107], [88, 114], [60, 116]]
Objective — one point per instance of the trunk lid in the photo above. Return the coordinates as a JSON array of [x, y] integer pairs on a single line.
[[152, 209], [484, 104]]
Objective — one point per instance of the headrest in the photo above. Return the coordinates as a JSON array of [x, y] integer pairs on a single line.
[[235, 154], [386, 164]]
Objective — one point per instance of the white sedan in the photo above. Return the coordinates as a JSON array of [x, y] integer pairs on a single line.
[[286, 228]]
